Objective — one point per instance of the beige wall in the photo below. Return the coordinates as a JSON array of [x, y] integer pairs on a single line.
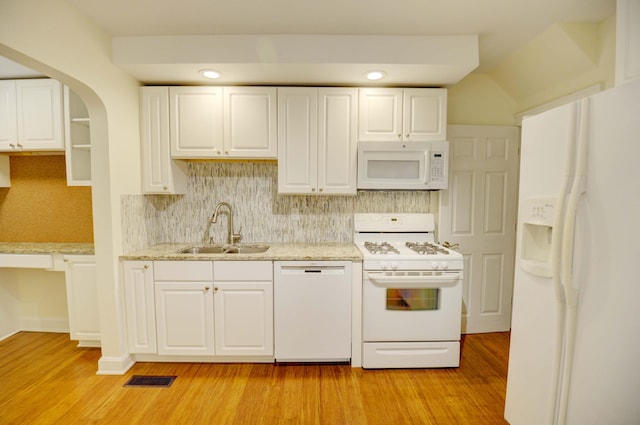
[[562, 60], [478, 100]]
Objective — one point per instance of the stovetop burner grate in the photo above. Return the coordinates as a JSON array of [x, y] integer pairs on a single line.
[[426, 248], [380, 248]]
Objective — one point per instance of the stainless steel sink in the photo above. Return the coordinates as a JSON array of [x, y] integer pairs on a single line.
[[224, 249]]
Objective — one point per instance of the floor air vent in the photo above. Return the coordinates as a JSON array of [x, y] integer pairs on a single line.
[[150, 381]]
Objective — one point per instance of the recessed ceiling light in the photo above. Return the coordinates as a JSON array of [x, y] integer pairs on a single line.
[[375, 75], [210, 73]]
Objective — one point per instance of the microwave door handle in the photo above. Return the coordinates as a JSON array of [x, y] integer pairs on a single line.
[[426, 166]]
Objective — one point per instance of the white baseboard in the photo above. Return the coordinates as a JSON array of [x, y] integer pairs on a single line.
[[44, 324], [115, 365], [89, 344], [3, 337]]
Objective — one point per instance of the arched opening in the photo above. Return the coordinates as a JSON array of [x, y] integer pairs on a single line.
[[104, 199]]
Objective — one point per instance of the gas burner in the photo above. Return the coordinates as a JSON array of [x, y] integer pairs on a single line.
[[426, 248], [380, 248]]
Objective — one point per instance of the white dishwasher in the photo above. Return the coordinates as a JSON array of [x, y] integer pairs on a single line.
[[312, 308]]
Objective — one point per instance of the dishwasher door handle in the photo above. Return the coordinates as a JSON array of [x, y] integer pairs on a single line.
[[302, 270]]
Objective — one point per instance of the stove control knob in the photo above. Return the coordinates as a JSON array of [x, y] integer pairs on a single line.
[[435, 265], [444, 266], [394, 266], [384, 266]]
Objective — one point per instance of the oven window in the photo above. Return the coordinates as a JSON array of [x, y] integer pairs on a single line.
[[413, 299]]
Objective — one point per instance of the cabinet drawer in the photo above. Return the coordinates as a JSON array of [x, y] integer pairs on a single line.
[[183, 270], [243, 270]]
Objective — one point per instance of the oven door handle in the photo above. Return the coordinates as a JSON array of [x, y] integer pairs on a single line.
[[406, 281]]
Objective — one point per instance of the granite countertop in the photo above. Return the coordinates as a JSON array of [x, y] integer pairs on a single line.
[[65, 248], [277, 252]]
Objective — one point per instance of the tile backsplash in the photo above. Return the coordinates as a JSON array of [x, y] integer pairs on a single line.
[[265, 216]]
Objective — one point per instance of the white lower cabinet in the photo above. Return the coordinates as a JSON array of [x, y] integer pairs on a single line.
[[176, 308], [82, 299], [140, 306], [184, 318], [243, 308], [184, 307]]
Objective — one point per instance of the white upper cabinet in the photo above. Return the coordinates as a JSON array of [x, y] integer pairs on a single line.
[[387, 114], [8, 117], [216, 122], [196, 121], [317, 140], [31, 115], [160, 174], [250, 122]]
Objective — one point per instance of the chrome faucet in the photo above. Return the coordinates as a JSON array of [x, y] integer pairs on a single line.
[[232, 238]]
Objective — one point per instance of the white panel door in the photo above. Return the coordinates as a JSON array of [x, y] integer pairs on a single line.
[[244, 318], [160, 174], [425, 114], [297, 140], [380, 114], [479, 211], [184, 317], [82, 298], [250, 124], [337, 143], [140, 306], [8, 118], [196, 122], [39, 114]]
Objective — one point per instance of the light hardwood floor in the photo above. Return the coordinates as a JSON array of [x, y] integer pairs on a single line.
[[45, 379]]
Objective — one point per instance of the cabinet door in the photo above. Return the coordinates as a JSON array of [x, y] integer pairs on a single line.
[[244, 318], [184, 315], [250, 122], [82, 298], [160, 174], [8, 117], [337, 144], [380, 114], [196, 122], [425, 114], [140, 306], [297, 140], [39, 103]]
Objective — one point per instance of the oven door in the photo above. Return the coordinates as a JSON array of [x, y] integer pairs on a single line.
[[415, 305]]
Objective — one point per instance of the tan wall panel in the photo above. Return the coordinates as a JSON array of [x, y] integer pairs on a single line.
[[40, 207]]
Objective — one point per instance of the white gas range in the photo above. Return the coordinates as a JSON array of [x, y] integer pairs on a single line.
[[412, 293]]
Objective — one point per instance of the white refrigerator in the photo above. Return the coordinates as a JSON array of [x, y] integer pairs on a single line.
[[575, 339]]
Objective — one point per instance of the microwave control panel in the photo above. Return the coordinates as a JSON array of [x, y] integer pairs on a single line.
[[437, 166]]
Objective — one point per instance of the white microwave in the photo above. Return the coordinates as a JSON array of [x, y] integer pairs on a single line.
[[403, 165]]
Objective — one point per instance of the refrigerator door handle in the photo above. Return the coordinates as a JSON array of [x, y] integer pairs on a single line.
[[578, 188]]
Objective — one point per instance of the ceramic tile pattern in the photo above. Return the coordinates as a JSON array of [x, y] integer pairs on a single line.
[[265, 216]]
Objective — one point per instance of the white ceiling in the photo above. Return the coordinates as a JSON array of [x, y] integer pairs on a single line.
[[501, 27]]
